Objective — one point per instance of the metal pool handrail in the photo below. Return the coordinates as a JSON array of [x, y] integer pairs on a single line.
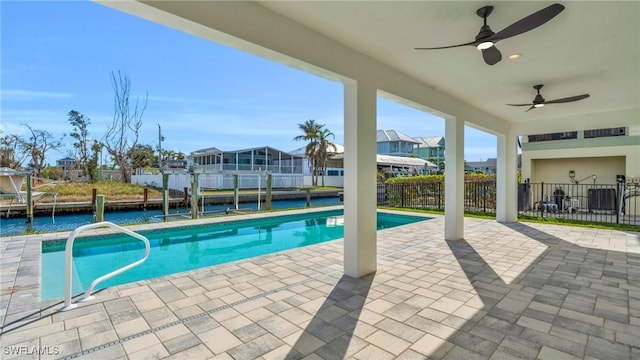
[[69, 256]]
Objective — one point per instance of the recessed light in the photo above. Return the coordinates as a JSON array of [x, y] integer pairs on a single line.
[[514, 56]]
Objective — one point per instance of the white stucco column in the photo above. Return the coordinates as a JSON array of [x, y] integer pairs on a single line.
[[360, 179], [454, 179], [506, 179]]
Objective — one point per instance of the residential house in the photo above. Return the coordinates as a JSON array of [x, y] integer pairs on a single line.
[[263, 158], [603, 153], [395, 143], [591, 162], [432, 149], [488, 166]]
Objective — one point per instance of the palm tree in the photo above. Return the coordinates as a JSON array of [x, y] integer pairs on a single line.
[[310, 129], [323, 146]]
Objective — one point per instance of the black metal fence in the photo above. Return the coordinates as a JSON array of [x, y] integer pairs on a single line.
[[479, 196], [608, 203], [617, 203]]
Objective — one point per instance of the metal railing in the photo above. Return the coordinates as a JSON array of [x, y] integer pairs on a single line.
[[478, 195], [606, 203], [69, 257]]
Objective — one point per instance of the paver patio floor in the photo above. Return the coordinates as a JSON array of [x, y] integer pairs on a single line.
[[508, 291]]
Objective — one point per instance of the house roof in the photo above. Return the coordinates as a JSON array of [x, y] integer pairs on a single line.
[[402, 160], [303, 150], [211, 150], [395, 160], [491, 162], [434, 141], [214, 150], [393, 135]]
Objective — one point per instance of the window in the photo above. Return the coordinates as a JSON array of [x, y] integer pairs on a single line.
[[554, 136], [596, 133]]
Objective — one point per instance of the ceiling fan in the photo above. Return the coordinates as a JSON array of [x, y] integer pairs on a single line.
[[539, 101], [486, 38]]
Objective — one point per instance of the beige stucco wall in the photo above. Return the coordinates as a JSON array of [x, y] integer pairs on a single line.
[[605, 162], [557, 170]]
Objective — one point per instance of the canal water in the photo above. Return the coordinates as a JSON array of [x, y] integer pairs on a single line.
[[54, 223]]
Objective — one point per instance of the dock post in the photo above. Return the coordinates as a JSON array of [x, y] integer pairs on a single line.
[[308, 197], [145, 197], [165, 195], [94, 193], [235, 191], [99, 208], [194, 195], [29, 199], [267, 197], [165, 204]]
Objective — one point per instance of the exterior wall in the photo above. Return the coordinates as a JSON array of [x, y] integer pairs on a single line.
[[598, 151], [435, 154], [605, 169], [606, 157], [395, 148]]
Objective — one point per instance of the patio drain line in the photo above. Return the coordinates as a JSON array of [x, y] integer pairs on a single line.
[[211, 311]]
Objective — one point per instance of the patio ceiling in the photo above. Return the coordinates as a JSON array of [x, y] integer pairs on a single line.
[[590, 47]]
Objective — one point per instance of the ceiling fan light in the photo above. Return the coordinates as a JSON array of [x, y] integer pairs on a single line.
[[538, 105], [485, 45]]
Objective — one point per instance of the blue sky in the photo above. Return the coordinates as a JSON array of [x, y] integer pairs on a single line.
[[58, 56]]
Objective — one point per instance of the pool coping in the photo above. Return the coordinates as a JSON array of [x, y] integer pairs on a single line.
[[20, 273]]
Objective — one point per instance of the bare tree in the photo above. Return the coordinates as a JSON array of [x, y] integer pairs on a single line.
[[37, 146], [123, 133]]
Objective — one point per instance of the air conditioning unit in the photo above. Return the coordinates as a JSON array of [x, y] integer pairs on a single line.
[[602, 199]]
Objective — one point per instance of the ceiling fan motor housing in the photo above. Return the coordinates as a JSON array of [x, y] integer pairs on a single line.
[[485, 32], [539, 99]]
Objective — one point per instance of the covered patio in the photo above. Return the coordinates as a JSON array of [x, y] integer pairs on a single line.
[[519, 290], [370, 48], [451, 287]]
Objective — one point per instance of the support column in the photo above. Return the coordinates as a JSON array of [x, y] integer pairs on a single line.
[[454, 179], [506, 179], [360, 179]]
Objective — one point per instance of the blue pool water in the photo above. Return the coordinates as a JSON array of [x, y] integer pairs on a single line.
[[191, 247], [17, 226]]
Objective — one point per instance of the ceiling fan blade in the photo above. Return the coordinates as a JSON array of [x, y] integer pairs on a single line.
[[528, 23], [519, 104], [445, 47], [531, 108], [491, 55], [568, 99]]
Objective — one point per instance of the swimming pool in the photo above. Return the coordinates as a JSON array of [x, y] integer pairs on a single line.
[[178, 249]]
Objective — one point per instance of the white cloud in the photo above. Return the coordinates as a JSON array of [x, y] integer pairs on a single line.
[[16, 94]]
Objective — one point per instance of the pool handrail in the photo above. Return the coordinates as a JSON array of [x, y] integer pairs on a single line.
[[69, 257]]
